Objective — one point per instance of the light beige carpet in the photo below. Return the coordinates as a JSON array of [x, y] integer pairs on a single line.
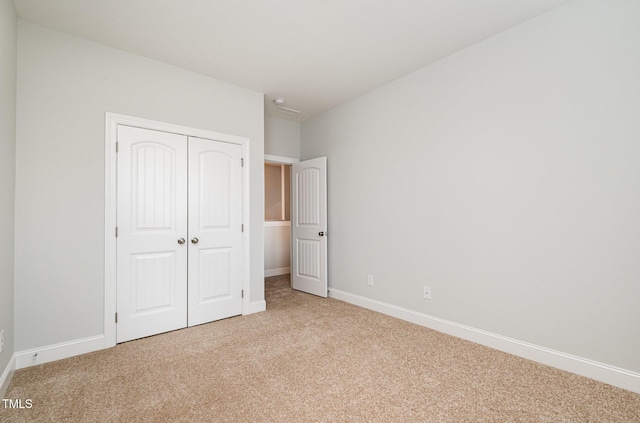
[[308, 359]]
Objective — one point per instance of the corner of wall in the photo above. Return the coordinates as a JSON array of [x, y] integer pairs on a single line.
[[7, 375], [8, 84]]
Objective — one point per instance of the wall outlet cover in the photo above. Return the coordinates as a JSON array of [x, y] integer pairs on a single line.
[[427, 292]]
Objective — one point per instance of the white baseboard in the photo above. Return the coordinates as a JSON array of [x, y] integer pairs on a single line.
[[7, 375], [615, 376], [277, 272], [59, 351], [255, 307], [68, 349]]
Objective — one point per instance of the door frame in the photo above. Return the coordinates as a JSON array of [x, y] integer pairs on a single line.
[[112, 121], [270, 158]]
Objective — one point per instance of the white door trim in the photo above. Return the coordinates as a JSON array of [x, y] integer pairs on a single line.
[[112, 121], [279, 159]]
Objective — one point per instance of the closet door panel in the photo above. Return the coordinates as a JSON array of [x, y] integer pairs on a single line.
[[215, 230], [152, 217]]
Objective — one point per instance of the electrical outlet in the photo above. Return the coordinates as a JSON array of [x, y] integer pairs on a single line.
[[370, 280], [427, 293], [1, 340]]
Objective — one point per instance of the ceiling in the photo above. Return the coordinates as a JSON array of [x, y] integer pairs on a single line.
[[317, 54]]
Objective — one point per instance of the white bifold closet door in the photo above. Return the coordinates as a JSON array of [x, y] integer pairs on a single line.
[[179, 245], [215, 231]]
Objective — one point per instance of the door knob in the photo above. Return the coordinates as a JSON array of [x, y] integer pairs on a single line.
[[194, 240], [321, 233], [181, 241]]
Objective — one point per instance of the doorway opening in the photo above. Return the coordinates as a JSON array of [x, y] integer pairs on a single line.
[[277, 224]]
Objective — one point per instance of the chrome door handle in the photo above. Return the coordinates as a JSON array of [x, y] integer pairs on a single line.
[[194, 240], [181, 241], [321, 233]]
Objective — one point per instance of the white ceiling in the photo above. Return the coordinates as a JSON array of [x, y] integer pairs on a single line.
[[315, 53]]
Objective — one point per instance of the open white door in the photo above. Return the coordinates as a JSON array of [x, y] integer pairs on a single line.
[[215, 230], [309, 226], [152, 227]]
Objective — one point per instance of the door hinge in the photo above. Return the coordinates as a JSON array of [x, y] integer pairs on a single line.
[[117, 144], [116, 231], [116, 317], [242, 293], [242, 161], [242, 227]]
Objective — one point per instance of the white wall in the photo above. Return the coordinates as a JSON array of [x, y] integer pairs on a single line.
[[8, 60], [507, 178], [277, 248], [65, 87], [281, 137]]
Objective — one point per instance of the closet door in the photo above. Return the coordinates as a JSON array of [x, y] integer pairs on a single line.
[[152, 233], [215, 230]]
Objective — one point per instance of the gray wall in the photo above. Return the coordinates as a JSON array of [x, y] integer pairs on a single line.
[[507, 178], [8, 58], [65, 87], [281, 137]]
